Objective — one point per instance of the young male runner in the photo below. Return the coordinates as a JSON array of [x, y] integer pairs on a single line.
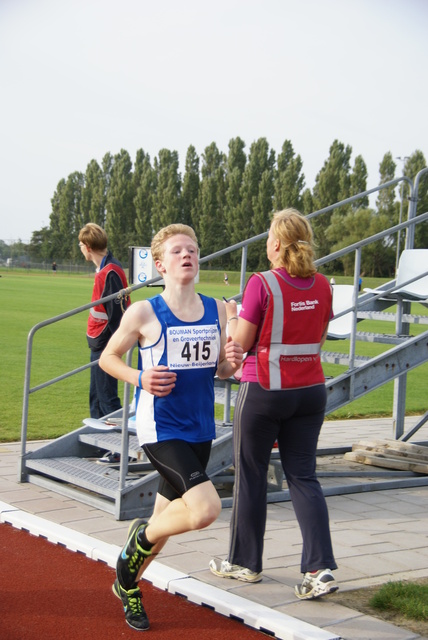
[[182, 341]]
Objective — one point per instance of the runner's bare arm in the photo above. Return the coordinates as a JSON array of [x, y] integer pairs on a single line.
[[139, 323]]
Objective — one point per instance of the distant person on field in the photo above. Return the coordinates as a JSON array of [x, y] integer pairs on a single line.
[[182, 342], [226, 279], [104, 319], [54, 267]]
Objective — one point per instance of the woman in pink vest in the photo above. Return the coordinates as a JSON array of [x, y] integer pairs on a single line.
[[282, 396]]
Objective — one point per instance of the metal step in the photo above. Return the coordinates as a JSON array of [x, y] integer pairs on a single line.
[[342, 358], [112, 441], [391, 317], [80, 472], [380, 338]]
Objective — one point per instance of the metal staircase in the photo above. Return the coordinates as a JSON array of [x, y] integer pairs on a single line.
[[68, 465]]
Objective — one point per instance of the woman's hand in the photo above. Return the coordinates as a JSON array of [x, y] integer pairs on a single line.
[[234, 353], [231, 308]]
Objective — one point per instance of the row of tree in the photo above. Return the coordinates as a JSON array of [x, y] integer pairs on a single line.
[[227, 199]]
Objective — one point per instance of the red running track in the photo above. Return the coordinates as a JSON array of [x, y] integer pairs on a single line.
[[48, 592]]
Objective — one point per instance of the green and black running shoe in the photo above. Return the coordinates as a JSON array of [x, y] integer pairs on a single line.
[[135, 615], [132, 557]]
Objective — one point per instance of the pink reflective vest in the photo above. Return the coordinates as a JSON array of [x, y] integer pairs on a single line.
[[289, 345]]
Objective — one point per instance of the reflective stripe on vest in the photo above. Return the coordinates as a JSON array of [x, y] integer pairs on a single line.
[[276, 349], [99, 315]]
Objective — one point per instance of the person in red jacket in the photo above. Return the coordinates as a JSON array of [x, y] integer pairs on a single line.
[[282, 326], [104, 318]]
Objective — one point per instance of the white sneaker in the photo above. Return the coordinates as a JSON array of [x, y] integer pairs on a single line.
[[316, 585], [111, 457], [227, 570]]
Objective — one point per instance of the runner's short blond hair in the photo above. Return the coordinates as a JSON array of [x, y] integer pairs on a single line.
[[166, 233]]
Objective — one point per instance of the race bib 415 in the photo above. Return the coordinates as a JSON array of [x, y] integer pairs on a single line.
[[192, 347]]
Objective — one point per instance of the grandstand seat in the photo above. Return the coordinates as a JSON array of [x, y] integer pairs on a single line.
[[340, 328], [413, 262]]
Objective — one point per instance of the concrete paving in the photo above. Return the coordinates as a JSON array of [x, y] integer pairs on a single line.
[[378, 536]]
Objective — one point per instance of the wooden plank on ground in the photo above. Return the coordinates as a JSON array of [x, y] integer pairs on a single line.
[[382, 460], [394, 449]]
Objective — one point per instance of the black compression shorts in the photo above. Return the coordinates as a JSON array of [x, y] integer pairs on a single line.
[[180, 464]]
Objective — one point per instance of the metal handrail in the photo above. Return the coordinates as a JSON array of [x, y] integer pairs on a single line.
[[409, 225]]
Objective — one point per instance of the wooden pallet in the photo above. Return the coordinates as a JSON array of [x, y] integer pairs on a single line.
[[390, 454]]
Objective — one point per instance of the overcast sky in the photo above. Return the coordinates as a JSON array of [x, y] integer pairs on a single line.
[[80, 78]]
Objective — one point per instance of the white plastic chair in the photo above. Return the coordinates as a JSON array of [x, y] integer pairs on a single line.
[[340, 328], [413, 262]]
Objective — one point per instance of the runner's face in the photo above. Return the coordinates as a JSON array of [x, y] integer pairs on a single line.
[[180, 256]]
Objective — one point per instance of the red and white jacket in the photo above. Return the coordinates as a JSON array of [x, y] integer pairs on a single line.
[[104, 319], [289, 345]]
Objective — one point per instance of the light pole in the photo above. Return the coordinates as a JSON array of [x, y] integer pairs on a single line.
[[400, 220]]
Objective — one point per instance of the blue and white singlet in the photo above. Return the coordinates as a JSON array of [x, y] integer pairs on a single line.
[[191, 349]]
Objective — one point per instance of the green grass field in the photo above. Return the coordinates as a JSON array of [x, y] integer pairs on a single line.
[[30, 298]]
